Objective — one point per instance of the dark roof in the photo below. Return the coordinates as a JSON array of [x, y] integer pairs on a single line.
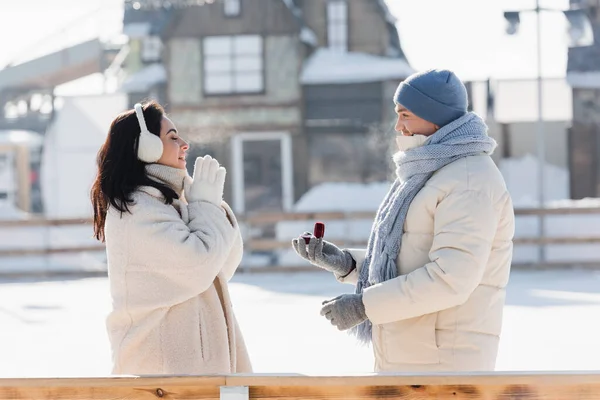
[[390, 21], [586, 59], [306, 34], [394, 45], [157, 17]]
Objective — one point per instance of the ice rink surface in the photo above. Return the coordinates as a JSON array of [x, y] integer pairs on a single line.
[[55, 328]]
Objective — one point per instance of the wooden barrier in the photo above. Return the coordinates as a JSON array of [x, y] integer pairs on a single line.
[[43, 222], [274, 217], [272, 244], [47, 223], [49, 251], [271, 218], [488, 386]]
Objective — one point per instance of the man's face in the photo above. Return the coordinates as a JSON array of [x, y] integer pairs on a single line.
[[409, 124]]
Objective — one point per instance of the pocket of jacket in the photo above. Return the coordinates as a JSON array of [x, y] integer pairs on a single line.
[[204, 347], [410, 341]]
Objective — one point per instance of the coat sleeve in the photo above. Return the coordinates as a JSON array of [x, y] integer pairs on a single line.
[[464, 229], [232, 263], [170, 261], [359, 257]]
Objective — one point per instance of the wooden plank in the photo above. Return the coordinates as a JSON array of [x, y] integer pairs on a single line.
[[131, 388], [44, 222], [440, 386], [49, 251], [557, 240], [419, 392], [550, 265], [24, 176], [498, 385], [558, 211], [274, 244], [289, 269], [273, 217]]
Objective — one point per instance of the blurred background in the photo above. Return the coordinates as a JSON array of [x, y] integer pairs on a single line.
[[294, 98]]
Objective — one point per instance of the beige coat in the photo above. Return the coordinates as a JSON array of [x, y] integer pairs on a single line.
[[444, 311], [169, 267]]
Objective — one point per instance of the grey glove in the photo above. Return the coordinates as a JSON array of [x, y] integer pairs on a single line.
[[345, 311], [324, 254]]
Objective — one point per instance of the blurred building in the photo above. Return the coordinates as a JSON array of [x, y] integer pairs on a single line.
[[285, 93], [583, 74], [28, 107]]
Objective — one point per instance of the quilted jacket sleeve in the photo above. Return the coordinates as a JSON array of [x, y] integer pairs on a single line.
[[464, 228]]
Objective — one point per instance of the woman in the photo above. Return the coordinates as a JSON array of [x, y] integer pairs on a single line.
[[170, 257]]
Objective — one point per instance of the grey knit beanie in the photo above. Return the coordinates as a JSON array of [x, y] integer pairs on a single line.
[[436, 95]]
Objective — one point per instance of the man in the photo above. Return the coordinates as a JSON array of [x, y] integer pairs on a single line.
[[430, 287]]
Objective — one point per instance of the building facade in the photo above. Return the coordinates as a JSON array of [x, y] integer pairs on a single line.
[[286, 94], [583, 74]]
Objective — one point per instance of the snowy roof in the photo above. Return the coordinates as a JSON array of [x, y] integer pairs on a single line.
[[326, 66], [144, 79], [587, 58], [307, 35], [584, 80]]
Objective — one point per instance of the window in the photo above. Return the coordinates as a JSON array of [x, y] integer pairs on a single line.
[[233, 64], [232, 8], [151, 49], [337, 25]]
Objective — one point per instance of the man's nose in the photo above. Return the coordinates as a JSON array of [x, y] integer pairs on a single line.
[[399, 126]]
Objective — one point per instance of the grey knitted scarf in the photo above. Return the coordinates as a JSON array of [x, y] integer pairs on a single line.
[[463, 137], [173, 177]]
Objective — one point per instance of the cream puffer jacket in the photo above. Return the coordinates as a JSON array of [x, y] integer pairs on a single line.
[[444, 311]]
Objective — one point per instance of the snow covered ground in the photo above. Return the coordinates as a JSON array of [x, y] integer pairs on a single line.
[[56, 328]]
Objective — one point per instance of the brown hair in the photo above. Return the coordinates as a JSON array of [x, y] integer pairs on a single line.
[[120, 172]]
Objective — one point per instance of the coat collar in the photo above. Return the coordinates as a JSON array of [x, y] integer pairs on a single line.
[[152, 191]]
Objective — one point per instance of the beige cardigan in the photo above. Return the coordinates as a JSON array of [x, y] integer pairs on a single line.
[[169, 267], [444, 311]]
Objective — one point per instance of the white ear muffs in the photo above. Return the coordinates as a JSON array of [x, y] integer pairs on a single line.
[[150, 146]]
